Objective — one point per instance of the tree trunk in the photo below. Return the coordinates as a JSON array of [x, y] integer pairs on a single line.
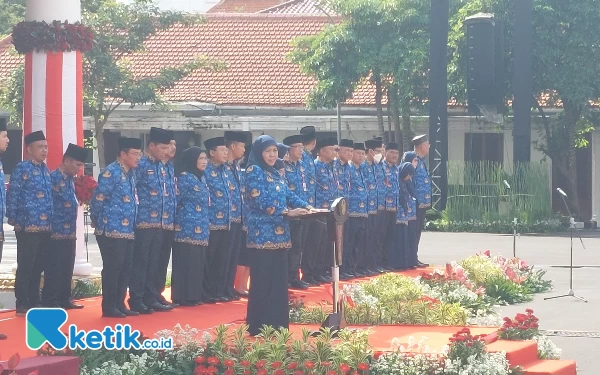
[[390, 100], [396, 116], [378, 105], [572, 116], [99, 134], [406, 131]]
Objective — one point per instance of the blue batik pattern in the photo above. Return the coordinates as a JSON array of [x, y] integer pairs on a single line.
[[2, 200], [381, 185], [422, 184], [29, 197], [342, 175], [391, 185], [217, 179], [113, 208], [327, 185], [368, 172], [308, 163], [192, 225], [359, 193], [233, 171], [170, 198], [268, 197], [154, 210], [298, 181], [64, 215]]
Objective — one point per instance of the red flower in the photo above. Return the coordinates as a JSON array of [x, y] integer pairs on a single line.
[[279, 372], [376, 355], [261, 363], [325, 364], [309, 365], [245, 364], [229, 371], [332, 372], [344, 368], [276, 365], [292, 366], [212, 370], [213, 360], [363, 366], [262, 371], [228, 363], [200, 360], [247, 372], [298, 372]]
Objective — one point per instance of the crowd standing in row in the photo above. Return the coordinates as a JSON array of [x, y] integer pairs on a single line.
[[224, 223]]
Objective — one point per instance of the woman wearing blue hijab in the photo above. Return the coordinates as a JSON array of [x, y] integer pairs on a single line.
[[400, 254], [268, 198]]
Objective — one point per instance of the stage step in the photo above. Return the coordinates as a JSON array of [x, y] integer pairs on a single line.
[[524, 354], [551, 367]]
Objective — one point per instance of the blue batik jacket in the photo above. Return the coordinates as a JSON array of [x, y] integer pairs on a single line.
[[156, 208], [369, 174], [391, 186], [64, 216], [298, 181], [171, 189], [422, 184], [217, 179], [29, 198], [268, 197], [310, 177], [2, 201], [327, 185], [359, 192], [342, 175], [235, 188], [113, 208], [192, 225], [381, 185]]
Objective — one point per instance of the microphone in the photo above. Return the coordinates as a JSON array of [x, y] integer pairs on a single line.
[[506, 184], [561, 192]]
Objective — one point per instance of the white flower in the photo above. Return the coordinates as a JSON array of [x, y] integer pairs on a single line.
[[546, 348]]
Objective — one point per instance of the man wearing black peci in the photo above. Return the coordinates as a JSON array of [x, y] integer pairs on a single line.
[[58, 271]]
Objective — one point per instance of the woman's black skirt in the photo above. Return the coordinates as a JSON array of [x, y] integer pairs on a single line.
[[187, 275], [398, 254], [268, 302]]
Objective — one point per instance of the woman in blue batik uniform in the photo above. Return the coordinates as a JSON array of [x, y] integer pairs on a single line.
[[191, 229], [400, 258], [268, 198]]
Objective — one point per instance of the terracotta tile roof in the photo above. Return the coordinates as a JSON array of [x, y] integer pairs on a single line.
[[243, 6], [8, 58], [301, 7]]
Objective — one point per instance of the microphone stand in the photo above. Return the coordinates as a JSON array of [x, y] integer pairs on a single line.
[[570, 293], [515, 220]]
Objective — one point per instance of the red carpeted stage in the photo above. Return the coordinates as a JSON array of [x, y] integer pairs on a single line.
[[206, 317]]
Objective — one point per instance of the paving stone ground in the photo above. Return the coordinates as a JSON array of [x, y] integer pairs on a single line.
[[565, 317]]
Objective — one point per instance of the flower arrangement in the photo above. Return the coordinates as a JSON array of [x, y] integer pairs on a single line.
[[84, 189], [526, 327], [29, 36]]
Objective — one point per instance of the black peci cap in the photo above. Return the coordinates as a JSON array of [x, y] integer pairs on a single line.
[[372, 144], [331, 141], [76, 152], [292, 139], [346, 143], [34, 137], [158, 135], [3, 124], [308, 133], [213, 143], [127, 143], [236, 136], [392, 146], [359, 146]]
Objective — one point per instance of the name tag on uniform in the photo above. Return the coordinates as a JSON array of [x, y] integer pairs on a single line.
[[304, 186]]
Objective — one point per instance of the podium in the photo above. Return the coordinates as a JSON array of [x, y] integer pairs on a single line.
[[336, 217]]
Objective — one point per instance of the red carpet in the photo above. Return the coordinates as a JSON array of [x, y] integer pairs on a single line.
[[206, 317]]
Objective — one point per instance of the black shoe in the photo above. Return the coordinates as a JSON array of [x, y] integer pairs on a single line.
[[21, 311], [242, 295], [160, 307], [209, 300], [344, 276], [297, 284], [128, 312], [3, 336], [380, 270], [222, 299], [310, 281], [421, 264], [113, 313], [163, 301], [72, 306], [141, 309]]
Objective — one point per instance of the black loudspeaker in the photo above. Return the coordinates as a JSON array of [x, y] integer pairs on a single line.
[[484, 63]]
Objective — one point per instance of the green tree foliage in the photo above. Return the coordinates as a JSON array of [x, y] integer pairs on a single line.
[[120, 30], [11, 13]]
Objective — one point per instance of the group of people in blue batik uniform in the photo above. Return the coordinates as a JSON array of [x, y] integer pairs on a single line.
[[230, 219], [42, 207]]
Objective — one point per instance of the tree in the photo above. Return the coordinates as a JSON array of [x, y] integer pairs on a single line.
[[565, 72], [11, 13], [108, 81]]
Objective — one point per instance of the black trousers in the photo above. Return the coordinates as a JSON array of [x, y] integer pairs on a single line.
[[299, 234], [356, 242], [413, 243], [398, 253], [317, 254], [420, 223], [31, 257], [146, 252], [236, 235], [216, 263], [388, 226], [163, 260], [117, 256], [1, 248], [268, 295], [58, 272], [187, 273]]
